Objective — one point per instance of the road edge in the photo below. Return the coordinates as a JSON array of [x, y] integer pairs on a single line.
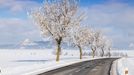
[[114, 67], [42, 70]]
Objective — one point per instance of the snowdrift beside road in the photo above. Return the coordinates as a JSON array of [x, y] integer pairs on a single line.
[[121, 66]]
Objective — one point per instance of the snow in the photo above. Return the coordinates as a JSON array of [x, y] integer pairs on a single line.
[[32, 62], [125, 64], [114, 70]]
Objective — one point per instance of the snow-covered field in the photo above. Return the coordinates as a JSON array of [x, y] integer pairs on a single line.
[[30, 62]]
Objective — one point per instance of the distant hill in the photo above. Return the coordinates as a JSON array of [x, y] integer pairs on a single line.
[[29, 44]]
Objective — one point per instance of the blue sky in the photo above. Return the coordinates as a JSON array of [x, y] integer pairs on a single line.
[[115, 18]]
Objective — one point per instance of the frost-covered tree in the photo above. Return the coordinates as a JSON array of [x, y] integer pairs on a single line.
[[95, 41], [109, 47], [102, 45], [78, 37], [105, 46], [55, 17]]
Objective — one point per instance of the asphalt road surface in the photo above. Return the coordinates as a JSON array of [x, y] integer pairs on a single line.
[[92, 67]]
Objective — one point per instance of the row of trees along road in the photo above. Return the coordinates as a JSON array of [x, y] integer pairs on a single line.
[[60, 20]]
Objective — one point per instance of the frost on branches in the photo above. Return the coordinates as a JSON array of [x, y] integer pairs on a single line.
[[95, 41], [55, 18], [104, 46], [60, 20], [79, 37], [100, 42]]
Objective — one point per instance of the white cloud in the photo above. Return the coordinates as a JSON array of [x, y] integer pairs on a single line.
[[18, 5], [11, 21], [110, 13], [16, 8], [116, 19], [14, 30]]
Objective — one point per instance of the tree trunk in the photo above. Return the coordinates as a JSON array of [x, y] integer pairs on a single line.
[[58, 52], [80, 49], [102, 53], [109, 54], [93, 53], [93, 50]]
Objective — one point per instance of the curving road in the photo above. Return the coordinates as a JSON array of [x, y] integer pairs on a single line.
[[92, 67]]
